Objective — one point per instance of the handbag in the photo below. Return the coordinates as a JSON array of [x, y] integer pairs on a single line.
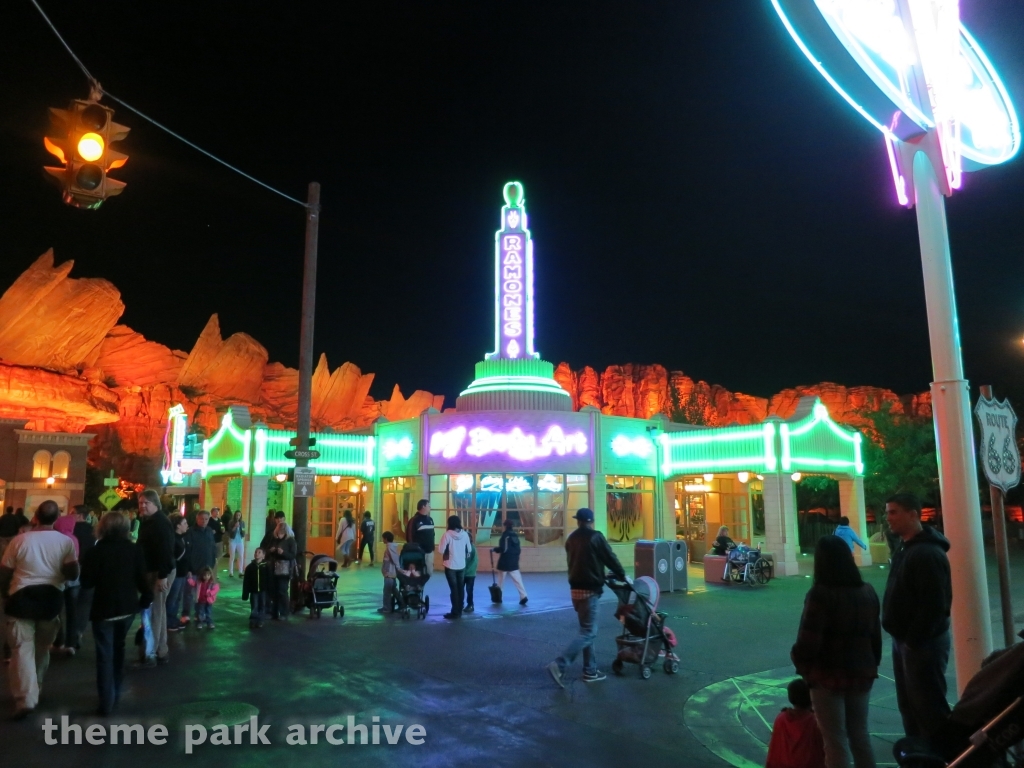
[[282, 567], [494, 588]]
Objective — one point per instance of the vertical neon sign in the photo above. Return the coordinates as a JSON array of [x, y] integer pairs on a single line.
[[513, 280]]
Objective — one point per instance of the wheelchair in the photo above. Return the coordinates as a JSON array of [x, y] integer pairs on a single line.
[[745, 565]]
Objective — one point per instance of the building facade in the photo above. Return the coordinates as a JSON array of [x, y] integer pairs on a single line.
[[513, 449], [40, 466]]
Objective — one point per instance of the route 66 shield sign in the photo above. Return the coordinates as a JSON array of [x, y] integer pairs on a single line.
[[998, 450]]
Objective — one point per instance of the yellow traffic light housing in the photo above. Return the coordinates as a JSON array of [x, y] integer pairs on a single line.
[[81, 139]]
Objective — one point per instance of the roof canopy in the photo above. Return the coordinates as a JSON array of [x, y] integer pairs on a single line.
[[809, 441]]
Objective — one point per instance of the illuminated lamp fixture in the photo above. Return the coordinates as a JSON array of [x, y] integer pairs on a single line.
[[281, 477], [759, 477], [353, 487], [335, 479], [796, 477], [743, 477], [50, 481], [708, 477], [364, 487]]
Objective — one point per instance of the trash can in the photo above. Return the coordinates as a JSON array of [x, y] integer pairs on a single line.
[[653, 558], [677, 555]]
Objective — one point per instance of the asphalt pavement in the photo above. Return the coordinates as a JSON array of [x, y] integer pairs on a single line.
[[477, 687]]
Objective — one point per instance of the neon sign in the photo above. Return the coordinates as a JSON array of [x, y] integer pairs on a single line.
[[641, 446], [920, 71], [174, 445], [515, 444], [513, 280], [393, 449]]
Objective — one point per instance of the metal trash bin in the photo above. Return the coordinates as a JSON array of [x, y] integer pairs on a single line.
[[653, 558], [677, 557]]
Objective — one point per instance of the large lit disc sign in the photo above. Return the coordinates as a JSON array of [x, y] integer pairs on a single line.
[[908, 66]]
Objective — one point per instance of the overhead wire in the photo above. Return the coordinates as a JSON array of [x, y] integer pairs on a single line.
[[97, 90]]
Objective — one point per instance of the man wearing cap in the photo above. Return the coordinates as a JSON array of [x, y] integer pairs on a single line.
[[588, 554]]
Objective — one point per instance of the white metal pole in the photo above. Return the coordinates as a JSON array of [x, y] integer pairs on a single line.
[[958, 472]]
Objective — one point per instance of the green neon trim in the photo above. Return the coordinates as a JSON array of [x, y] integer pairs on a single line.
[[516, 388], [240, 436], [751, 461], [731, 437], [227, 466], [492, 380], [816, 462], [770, 462]]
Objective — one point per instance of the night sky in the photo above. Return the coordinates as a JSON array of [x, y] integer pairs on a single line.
[[699, 196]]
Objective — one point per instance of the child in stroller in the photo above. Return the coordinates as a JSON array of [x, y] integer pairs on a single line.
[[320, 589], [987, 721], [412, 576], [644, 638]]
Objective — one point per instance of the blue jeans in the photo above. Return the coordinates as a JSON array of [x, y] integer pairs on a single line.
[[204, 614], [257, 606], [456, 585], [920, 676], [586, 611], [109, 637], [148, 649], [174, 596]]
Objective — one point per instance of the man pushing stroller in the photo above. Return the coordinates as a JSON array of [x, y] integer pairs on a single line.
[[588, 554]]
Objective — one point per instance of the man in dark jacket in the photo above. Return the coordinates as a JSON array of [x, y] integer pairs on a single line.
[[201, 553], [421, 531], [915, 611], [156, 538], [588, 554]]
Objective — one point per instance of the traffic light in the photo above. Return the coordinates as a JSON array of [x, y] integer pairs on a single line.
[[81, 138]]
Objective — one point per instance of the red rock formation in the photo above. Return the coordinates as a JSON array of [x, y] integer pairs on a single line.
[[231, 369], [644, 390], [54, 401], [49, 320], [124, 358]]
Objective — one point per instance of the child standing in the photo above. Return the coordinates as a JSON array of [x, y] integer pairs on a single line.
[[207, 595], [796, 741], [470, 579], [390, 569], [254, 589]]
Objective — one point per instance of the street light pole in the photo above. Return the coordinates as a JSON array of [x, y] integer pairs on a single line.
[[300, 514], [958, 471]]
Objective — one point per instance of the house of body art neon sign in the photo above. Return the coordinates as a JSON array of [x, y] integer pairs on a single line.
[[516, 444], [513, 281]]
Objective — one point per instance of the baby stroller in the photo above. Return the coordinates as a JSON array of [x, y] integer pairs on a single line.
[[744, 565], [320, 589], [644, 638], [987, 721], [410, 588]]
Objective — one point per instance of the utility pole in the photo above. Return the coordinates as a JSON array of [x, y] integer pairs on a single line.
[[300, 515]]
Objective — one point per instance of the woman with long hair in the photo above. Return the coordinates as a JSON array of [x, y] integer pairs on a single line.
[[346, 536], [281, 553], [115, 569], [455, 548], [508, 559], [236, 544], [838, 650]]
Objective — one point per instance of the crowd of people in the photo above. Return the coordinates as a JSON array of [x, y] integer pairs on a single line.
[[58, 573]]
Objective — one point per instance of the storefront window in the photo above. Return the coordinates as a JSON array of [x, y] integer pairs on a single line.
[[630, 501], [691, 514], [397, 504], [536, 504]]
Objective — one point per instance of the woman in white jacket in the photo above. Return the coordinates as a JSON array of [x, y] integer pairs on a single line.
[[455, 547]]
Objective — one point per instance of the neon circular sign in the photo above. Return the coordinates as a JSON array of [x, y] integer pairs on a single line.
[[908, 66]]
